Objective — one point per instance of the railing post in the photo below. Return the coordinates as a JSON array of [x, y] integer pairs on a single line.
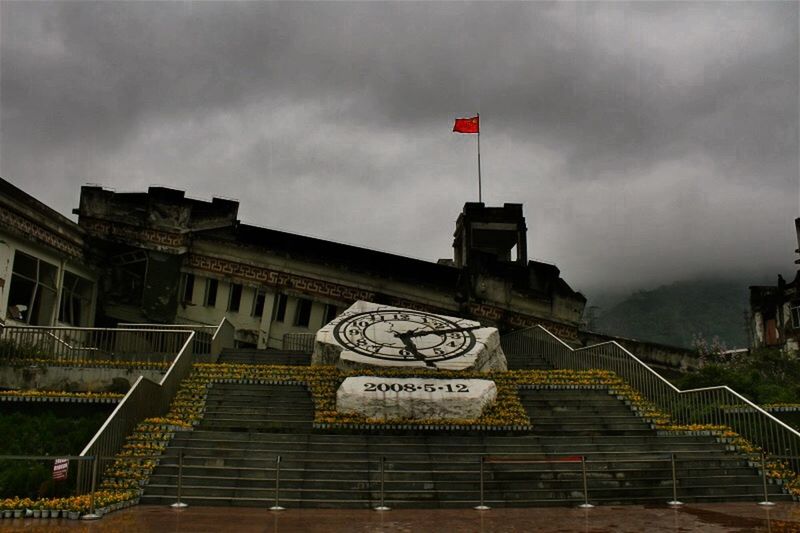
[[382, 506], [277, 506], [585, 504], [179, 504], [766, 501], [674, 502], [92, 515], [482, 506]]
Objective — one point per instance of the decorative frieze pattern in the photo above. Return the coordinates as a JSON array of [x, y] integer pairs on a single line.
[[32, 230], [102, 228], [274, 278], [416, 306]]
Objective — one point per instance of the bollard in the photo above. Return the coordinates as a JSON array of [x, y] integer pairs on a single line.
[[482, 506], [277, 506], [179, 504], [382, 506], [92, 514], [585, 504], [674, 502], [766, 501]]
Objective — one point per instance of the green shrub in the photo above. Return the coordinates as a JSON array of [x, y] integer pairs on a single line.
[[763, 376], [42, 432]]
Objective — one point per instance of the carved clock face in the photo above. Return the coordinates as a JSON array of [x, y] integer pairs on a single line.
[[404, 335]]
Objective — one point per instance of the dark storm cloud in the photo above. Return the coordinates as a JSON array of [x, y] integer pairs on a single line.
[[649, 141]]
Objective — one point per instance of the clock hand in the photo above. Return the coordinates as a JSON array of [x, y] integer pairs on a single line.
[[405, 338], [439, 331]]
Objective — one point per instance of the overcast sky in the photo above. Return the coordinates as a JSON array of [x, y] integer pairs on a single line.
[[649, 142]]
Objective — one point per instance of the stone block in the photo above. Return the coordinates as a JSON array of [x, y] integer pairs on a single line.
[[415, 398], [369, 335]]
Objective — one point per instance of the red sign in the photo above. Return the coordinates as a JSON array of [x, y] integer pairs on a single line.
[[60, 469]]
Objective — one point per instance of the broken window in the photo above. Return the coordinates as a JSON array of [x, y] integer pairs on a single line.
[[128, 274], [76, 300], [330, 313], [211, 293], [258, 303], [280, 308], [303, 314], [32, 293], [235, 297], [187, 288], [795, 312]]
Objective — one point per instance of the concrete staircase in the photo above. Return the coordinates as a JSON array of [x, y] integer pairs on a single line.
[[252, 356], [526, 362], [229, 459]]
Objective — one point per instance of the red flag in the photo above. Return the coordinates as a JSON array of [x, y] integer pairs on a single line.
[[466, 125]]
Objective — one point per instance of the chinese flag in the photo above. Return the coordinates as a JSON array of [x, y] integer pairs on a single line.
[[466, 125]]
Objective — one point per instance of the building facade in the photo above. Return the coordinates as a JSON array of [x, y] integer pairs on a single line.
[[160, 257], [169, 258], [47, 274]]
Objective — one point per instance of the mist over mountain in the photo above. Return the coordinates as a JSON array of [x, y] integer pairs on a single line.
[[676, 314]]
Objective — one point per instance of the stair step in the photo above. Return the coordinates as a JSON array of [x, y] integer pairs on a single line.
[[230, 458]]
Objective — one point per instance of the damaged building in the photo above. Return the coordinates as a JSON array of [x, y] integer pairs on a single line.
[[158, 256], [48, 274], [775, 310]]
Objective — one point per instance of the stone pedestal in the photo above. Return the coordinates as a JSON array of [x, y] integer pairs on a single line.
[[415, 398]]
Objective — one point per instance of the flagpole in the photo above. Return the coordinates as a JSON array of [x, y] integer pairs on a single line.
[[479, 157]]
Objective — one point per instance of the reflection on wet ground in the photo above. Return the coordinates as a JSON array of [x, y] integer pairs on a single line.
[[721, 517]]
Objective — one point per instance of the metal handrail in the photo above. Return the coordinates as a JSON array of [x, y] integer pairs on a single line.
[[145, 399], [299, 342], [220, 336], [129, 344], [705, 405], [45, 457], [68, 345]]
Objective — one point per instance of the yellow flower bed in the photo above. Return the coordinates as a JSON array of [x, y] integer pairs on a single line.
[[38, 395], [90, 363], [81, 504], [506, 414]]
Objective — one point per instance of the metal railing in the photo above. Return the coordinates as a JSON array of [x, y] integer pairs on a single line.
[[84, 345], [299, 342], [662, 466], [87, 463], [208, 340], [719, 405], [669, 475], [139, 342], [145, 399]]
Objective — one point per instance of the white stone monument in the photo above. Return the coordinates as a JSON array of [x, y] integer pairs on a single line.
[[369, 335], [415, 398]]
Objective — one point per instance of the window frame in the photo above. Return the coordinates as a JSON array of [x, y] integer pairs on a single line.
[[254, 311], [210, 296], [39, 286], [300, 312], [233, 289], [794, 313], [279, 311], [331, 312], [187, 287]]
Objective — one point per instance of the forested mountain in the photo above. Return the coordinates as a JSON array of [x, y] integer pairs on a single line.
[[675, 314]]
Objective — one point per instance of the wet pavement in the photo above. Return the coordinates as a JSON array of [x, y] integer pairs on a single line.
[[711, 518]]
